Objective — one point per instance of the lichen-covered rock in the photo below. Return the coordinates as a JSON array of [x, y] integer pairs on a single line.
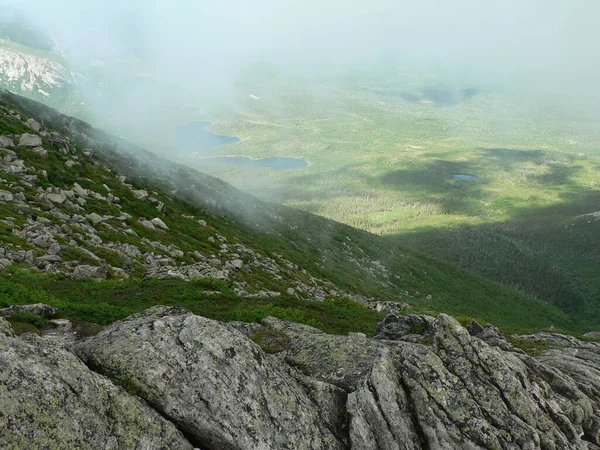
[[30, 140], [339, 360], [37, 309], [458, 392], [394, 327], [5, 328], [50, 399], [209, 379], [85, 271], [5, 141]]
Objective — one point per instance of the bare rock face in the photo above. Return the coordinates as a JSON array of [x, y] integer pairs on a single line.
[[50, 399], [457, 392], [210, 380], [316, 391]]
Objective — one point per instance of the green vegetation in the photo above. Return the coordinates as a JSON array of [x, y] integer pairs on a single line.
[[533, 347], [131, 386], [382, 151], [271, 341], [22, 317], [112, 300]]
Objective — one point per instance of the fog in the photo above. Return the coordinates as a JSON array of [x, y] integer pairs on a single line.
[[538, 46]]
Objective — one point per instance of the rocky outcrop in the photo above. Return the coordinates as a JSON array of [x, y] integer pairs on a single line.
[[326, 391], [50, 399], [191, 380], [210, 380]]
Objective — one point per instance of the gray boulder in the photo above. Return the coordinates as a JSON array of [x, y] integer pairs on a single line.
[[210, 380], [33, 124], [5, 141], [37, 309], [85, 272], [50, 399], [141, 194], [30, 140], [457, 392], [157, 222], [40, 151], [6, 196]]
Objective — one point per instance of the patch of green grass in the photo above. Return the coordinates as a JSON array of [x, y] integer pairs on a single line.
[[23, 327], [428, 341], [533, 347], [111, 300], [130, 385], [271, 341], [465, 321], [420, 329], [24, 317]]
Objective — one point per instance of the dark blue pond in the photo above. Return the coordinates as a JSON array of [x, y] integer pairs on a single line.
[[194, 137], [244, 161], [463, 177]]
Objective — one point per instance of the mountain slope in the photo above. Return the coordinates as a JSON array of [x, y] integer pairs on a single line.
[[82, 204]]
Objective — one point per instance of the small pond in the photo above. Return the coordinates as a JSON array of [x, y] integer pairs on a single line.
[[194, 137], [244, 161], [463, 177]]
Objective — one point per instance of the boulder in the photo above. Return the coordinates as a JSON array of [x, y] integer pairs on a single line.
[[204, 270], [147, 224], [140, 194], [157, 222], [5, 141], [237, 263], [50, 399], [33, 124], [56, 196], [95, 218], [30, 140], [40, 151], [210, 380], [6, 196], [80, 191], [43, 241], [37, 309], [16, 167], [85, 272]]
